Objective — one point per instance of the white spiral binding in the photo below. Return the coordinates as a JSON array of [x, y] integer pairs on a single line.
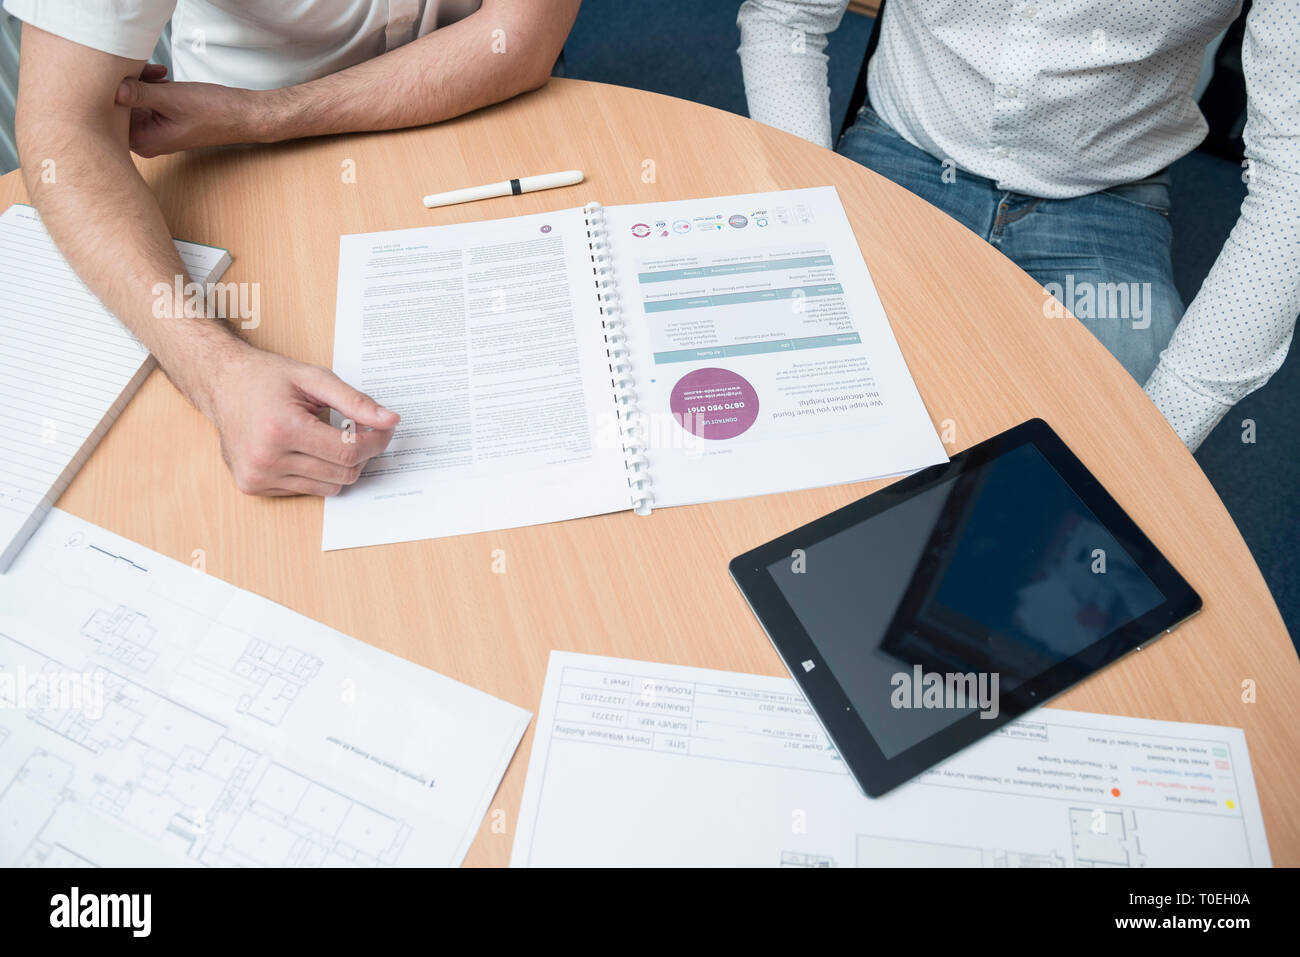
[[630, 431]]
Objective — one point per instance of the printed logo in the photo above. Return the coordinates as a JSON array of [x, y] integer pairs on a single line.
[[130, 911], [738, 221], [640, 230], [546, 229], [681, 226]]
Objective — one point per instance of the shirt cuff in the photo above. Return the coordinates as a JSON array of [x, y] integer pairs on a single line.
[[1192, 413]]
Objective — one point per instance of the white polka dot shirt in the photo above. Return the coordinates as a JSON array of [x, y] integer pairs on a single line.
[[1059, 98]]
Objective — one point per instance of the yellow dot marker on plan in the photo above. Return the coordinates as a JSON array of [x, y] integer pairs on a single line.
[[1231, 804]]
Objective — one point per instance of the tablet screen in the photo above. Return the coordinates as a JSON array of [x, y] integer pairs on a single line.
[[998, 572]]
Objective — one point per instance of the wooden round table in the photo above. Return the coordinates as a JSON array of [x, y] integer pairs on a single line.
[[969, 323]]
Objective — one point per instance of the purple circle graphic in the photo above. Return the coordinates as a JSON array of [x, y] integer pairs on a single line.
[[714, 403]]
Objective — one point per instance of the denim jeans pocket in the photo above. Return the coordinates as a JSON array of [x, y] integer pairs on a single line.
[[867, 127], [1152, 196], [868, 117]]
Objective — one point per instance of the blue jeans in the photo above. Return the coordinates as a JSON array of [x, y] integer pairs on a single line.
[[1105, 255]]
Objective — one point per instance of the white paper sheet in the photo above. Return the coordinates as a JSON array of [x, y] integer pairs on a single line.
[[153, 715], [649, 764]]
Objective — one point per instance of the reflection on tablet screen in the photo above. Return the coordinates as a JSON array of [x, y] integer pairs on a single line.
[[999, 571]]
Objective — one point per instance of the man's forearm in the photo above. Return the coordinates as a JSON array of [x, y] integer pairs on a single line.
[[490, 56], [74, 144], [107, 223], [1238, 329]]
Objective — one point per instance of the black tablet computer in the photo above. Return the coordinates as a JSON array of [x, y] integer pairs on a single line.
[[930, 613]]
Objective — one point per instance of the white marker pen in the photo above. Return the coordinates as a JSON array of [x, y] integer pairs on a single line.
[[511, 187]]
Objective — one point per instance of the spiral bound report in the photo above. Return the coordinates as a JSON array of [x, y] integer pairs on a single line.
[[631, 430], [594, 359]]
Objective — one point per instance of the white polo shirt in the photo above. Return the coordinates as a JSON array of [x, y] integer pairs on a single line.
[[253, 44]]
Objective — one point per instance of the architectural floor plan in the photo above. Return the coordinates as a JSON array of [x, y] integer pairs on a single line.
[[153, 715]]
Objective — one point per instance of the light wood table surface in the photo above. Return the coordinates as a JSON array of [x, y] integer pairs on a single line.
[[970, 325]]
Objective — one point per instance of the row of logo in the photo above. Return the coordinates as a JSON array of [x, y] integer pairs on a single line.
[[661, 228]]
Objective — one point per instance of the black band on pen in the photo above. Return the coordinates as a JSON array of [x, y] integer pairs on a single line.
[[514, 187]]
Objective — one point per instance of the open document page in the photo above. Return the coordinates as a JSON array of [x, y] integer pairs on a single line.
[[644, 765], [764, 360], [487, 338]]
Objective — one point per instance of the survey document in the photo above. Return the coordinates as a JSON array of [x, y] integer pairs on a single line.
[[151, 715], [595, 360], [644, 764]]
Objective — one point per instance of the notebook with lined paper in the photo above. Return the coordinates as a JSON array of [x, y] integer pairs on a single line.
[[67, 369]]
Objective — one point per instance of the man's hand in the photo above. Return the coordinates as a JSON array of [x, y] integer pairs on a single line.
[[266, 408], [167, 117], [107, 223]]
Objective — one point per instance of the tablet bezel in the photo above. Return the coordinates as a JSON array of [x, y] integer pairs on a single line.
[[875, 773]]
